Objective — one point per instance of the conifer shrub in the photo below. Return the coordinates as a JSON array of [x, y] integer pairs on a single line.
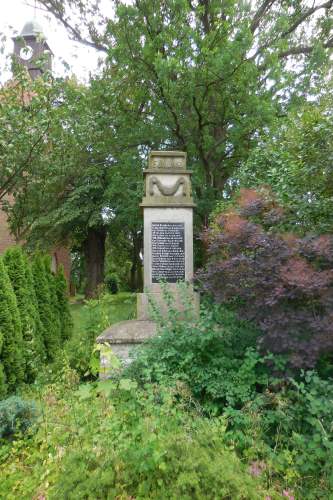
[[16, 415], [66, 321], [12, 355], [34, 307], [16, 265], [2, 373], [283, 282], [53, 298], [46, 308]]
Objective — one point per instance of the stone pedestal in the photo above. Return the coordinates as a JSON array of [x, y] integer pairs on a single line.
[[168, 247]]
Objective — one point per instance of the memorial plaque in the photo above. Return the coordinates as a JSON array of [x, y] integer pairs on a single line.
[[167, 251]]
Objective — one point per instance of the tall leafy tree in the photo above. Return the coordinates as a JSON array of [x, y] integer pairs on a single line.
[[208, 74], [204, 76], [89, 180], [24, 122]]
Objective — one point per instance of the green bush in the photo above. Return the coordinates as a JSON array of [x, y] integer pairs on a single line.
[[214, 355], [2, 373], [66, 321], [56, 314], [17, 268], [12, 354], [288, 430], [79, 349], [112, 283], [3, 388], [113, 440], [45, 299], [34, 307], [150, 448], [302, 420], [16, 415]]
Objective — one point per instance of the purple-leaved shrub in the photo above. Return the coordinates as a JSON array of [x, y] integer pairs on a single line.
[[283, 282]]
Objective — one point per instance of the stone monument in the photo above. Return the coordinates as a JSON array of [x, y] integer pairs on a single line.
[[168, 227], [168, 247]]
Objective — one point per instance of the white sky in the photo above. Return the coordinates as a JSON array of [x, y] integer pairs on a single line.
[[15, 13]]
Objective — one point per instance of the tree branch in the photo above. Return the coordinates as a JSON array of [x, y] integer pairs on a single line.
[[304, 17], [266, 5], [74, 32], [303, 49]]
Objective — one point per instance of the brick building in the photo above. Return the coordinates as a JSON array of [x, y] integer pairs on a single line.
[[28, 47]]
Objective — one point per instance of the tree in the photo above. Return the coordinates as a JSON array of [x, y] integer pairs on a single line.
[[24, 122], [16, 265], [84, 181], [207, 75], [12, 355], [296, 160]]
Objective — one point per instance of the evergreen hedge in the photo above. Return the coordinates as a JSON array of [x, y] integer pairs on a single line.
[[2, 373], [34, 306], [45, 299], [12, 355], [18, 269], [56, 314], [35, 318], [66, 322]]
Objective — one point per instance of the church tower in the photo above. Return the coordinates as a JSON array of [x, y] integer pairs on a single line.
[[31, 49]]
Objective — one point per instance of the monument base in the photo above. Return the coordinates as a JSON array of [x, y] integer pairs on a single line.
[[146, 301], [120, 338]]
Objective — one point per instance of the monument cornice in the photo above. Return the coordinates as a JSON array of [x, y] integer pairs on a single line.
[[167, 171], [170, 204]]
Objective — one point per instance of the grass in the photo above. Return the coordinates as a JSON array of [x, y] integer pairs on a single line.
[[122, 307]]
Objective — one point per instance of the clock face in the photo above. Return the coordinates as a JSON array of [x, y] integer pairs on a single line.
[[26, 53]]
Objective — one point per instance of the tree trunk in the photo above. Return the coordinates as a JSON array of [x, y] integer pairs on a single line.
[[136, 282], [94, 252]]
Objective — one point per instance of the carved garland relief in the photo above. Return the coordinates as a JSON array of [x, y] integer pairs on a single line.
[[167, 190]]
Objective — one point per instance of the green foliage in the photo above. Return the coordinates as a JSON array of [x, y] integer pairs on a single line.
[[289, 431], [34, 305], [18, 270], [12, 354], [214, 355], [182, 75], [48, 314], [16, 415], [3, 388], [90, 320], [296, 160], [112, 283], [64, 314], [55, 308], [111, 440], [80, 348]]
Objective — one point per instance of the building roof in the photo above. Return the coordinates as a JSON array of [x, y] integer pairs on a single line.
[[32, 28]]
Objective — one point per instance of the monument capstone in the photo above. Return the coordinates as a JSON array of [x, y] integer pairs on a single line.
[[168, 248]]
